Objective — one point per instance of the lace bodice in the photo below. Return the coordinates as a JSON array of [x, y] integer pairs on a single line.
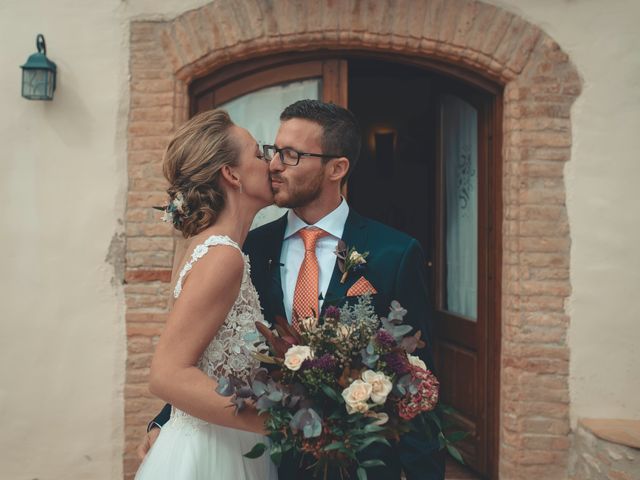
[[231, 350]]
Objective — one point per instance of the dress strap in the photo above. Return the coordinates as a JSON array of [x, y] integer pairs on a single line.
[[199, 252]]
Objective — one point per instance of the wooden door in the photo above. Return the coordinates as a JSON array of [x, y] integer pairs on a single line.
[[463, 263]]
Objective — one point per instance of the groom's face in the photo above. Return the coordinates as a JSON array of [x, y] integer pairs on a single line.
[[299, 185]]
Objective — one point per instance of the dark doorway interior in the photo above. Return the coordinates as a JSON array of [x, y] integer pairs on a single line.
[[399, 181], [395, 174]]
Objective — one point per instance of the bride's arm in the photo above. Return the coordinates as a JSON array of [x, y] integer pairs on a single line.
[[208, 294]]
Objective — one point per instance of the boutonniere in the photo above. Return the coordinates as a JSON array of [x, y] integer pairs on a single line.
[[349, 260]]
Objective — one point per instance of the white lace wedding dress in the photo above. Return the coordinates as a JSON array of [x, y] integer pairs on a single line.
[[189, 448]]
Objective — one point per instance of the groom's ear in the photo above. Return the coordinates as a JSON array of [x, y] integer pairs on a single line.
[[338, 168]]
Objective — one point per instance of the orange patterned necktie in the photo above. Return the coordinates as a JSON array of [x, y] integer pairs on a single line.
[[305, 296]]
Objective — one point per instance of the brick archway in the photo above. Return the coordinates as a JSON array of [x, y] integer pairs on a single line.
[[540, 85]]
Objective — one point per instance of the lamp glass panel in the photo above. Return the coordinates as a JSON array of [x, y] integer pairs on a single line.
[[37, 84]]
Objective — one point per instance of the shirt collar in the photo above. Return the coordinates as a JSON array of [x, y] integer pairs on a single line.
[[332, 223]]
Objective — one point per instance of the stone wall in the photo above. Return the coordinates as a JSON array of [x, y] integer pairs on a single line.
[[595, 458]]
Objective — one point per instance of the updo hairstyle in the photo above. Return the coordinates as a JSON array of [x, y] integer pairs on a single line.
[[192, 165]]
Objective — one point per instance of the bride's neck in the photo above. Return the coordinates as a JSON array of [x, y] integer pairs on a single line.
[[234, 220]]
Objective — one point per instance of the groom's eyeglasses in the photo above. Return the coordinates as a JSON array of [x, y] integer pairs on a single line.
[[289, 156]]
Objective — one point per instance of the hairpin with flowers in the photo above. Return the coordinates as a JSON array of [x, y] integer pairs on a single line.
[[175, 211]]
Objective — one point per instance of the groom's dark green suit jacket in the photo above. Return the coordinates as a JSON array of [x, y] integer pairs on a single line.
[[396, 269]]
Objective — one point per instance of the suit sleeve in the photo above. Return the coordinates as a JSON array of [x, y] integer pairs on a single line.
[[161, 418], [411, 291], [418, 450]]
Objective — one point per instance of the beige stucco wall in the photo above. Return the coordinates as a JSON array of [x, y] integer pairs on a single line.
[[602, 40], [63, 185], [63, 180]]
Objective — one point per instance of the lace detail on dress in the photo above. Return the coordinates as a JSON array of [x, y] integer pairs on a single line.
[[199, 252], [231, 350]]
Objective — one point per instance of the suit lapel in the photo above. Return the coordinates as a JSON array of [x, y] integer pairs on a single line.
[[274, 281], [354, 235]]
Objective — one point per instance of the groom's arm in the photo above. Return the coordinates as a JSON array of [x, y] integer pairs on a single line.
[[161, 418], [418, 451], [412, 293], [153, 430]]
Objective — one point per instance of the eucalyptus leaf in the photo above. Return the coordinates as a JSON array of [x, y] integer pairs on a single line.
[[307, 420], [400, 331], [455, 453], [457, 436], [362, 473], [259, 388], [373, 428], [224, 387], [276, 454], [264, 403], [333, 446], [275, 396], [373, 463], [257, 450], [332, 394], [373, 439]]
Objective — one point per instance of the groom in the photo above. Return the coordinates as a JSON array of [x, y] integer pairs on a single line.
[[293, 264]]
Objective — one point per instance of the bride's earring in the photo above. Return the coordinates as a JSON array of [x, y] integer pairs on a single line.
[[240, 189]]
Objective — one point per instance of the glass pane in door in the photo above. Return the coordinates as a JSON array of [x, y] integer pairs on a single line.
[[460, 168], [259, 113]]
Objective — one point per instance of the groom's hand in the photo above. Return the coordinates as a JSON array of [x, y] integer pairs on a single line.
[[147, 442]]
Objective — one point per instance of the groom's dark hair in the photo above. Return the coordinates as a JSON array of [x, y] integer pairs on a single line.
[[340, 129]]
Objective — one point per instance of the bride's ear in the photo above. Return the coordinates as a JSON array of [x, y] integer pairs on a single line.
[[231, 177]]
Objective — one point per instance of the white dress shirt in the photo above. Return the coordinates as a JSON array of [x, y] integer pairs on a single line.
[[293, 251]]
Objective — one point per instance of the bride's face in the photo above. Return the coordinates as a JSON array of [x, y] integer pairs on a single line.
[[253, 170]]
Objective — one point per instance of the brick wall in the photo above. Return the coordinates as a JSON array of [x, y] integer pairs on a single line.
[[540, 86]]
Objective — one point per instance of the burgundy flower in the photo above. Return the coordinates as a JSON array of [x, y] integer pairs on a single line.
[[385, 339], [425, 399], [398, 363], [326, 362], [332, 312]]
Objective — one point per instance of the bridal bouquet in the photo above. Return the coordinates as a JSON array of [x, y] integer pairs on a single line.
[[342, 382]]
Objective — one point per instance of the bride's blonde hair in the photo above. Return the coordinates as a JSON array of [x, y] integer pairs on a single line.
[[192, 164]]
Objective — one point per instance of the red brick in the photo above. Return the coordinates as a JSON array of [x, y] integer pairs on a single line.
[[146, 199], [154, 227], [150, 142], [495, 34], [139, 344], [139, 360], [145, 128], [148, 330], [146, 317], [150, 244], [136, 276]]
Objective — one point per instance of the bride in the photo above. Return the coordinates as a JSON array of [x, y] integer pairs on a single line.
[[218, 182]]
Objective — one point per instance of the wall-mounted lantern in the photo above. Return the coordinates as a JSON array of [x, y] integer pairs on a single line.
[[39, 74]]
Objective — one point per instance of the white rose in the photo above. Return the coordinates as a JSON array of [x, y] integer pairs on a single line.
[[380, 385], [356, 396], [357, 258], [294, 357], [360, 407], [416, 362]]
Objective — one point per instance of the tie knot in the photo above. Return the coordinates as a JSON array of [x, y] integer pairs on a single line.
[[310, 236]]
